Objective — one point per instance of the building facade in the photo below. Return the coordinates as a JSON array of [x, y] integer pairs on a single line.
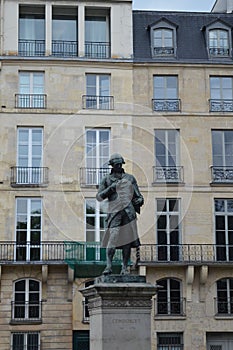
[[81, 80]]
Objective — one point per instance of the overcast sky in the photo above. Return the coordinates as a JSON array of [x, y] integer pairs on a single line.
[[174, 5]]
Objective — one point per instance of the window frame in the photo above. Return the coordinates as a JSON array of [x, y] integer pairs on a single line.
[[165, 97], [31, 94], [171, 302], [25, 345], [27, 305], [24, 249], [163, 25], [101, 99], [224, 250], [218, 26], [167, 345], [226, 302], [166, 251]]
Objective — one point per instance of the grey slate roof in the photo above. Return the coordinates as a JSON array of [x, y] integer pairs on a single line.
[[191, 41]]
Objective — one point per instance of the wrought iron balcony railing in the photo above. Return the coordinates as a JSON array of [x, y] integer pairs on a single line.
[[92, 176], [98, 102], [41, 252], [26, 311], [170, 347], [31, 101], [97, 49], [186, 253], [166, 105], [222, 174], [163, 51], [219, 51], [62, 48], [171, 307], [168, 174], [28, 47], [224, 306], [222, 105], [29, 176]]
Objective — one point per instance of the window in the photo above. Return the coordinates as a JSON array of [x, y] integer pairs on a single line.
[[170, 341], [81, 340], [222, 148], [224, 229], [98, 92], [169, 300], [95, 227], [225, 296], [97, 36], [31, 90], [29, 156], [163, 39], [168, 229], [64, 29], [97, 146], [221, 94], [163, 42], [85, 304], [25, 341], [26, 304], [219, 44], [31, 30], [166, 93], [28, 229], [167, 167]]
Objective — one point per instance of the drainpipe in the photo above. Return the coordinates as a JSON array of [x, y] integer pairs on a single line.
[[1, 28]]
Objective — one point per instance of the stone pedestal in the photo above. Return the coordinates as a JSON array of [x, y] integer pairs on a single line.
[[120, 312]]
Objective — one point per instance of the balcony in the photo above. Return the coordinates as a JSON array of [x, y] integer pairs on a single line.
[[186, 254], [164, 51], [31, 101], [88, 259], [98, 102], [29, 176], [168, 174], [26, 312], [170, 347], [221, 105], [26, 252], [223, 306], [31, 48], [92, 176], [97, 49], [219, 51], [166, 105], [222, 174], [171, 308], [61, 48]]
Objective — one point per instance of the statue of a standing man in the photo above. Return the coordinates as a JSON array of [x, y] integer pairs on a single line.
[[124, 201]]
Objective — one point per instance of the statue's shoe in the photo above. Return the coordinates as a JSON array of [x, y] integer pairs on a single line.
[[107, 271]]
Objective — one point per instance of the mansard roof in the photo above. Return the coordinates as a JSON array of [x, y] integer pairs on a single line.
[[191, 38]]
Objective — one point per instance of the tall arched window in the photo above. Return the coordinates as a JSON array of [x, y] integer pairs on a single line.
[[27, 300], [169, 300]]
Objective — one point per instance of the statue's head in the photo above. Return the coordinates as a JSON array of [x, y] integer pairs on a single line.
[[116, 158]]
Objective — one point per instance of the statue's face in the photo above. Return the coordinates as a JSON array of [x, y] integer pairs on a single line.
[[117, 167]]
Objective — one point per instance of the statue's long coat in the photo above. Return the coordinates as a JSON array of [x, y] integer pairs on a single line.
[[121, 199]]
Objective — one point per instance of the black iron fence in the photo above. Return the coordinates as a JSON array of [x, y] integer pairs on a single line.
[[222, 105], [31, 101], [25, 311], [62, 48], [97, 102], [27, 47], [97, 49], [29, 176], [168, 174], [166, 105], [92, 176]]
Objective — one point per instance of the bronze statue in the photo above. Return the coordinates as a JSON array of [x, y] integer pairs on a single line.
[[124, 201]]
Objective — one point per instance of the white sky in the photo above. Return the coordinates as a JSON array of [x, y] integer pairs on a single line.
[[174, 5]]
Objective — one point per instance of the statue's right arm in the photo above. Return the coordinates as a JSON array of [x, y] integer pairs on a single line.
[[104, 190]]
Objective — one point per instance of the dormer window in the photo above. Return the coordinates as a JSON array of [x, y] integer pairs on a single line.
[[163, 42], [163, 39], [219, 42], [218, 39]]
